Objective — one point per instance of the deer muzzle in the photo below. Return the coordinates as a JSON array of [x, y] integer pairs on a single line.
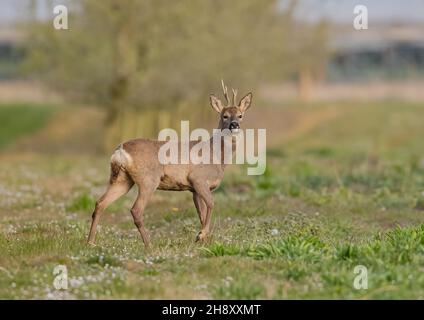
[[234, 125]]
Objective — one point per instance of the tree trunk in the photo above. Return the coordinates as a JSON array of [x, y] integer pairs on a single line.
[[125, 62]]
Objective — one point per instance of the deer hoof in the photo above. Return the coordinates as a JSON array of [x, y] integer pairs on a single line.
[[201, 236], [91, 244]]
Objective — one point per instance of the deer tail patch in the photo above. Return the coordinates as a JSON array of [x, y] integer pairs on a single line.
[[120, 160]]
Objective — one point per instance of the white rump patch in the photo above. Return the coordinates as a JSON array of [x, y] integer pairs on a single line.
[[121, 157]]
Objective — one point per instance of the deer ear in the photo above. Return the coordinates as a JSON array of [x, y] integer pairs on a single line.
[[216, 103], [245, 102]]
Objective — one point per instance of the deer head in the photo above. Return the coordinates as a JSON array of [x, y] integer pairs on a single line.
[[231, 115]]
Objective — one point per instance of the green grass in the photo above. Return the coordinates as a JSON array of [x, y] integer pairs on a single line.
[[348, 192], [18, 120], [83, 202]]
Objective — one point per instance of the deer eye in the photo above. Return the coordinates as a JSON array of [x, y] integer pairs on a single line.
[[240, 116], [225, 117]]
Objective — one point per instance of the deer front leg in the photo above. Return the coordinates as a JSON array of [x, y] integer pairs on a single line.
[[145, 192], [200, 207], [205, 195]]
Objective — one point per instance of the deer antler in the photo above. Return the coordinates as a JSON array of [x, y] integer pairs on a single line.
[[225, 92], [234, 96], [227, 97]]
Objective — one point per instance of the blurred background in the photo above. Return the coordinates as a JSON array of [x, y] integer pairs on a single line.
[[129, 68]]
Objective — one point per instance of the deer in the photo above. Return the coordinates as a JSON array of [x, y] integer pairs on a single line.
[[135, 162]]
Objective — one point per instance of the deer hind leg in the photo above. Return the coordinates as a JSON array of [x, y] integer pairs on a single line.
[[145, 191], [205, 195], [119, 185]]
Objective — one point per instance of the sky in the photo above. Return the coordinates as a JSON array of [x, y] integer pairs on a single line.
[[340, 11], [379, 11]]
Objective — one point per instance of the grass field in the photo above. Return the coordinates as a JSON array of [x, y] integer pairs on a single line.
[[343, 191], [21, 119]]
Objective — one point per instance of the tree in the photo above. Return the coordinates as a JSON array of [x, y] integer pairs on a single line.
[[143, 54]]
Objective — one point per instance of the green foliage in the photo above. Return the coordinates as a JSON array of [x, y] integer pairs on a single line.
[[84, 202], [218, 249], [291, 247], [18, 120], [347, 251], [266, 184], [119, 53]]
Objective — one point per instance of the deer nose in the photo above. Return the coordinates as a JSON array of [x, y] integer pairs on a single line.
[[234, 125]]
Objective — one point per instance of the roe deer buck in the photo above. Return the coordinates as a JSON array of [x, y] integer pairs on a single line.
[[136, 162]]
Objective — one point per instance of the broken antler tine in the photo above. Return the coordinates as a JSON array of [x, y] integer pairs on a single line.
[[234, 96]]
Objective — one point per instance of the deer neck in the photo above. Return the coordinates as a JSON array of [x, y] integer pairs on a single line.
[[223, 145]]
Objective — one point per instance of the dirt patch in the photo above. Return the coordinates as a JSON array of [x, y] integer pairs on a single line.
[[26, 91]]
